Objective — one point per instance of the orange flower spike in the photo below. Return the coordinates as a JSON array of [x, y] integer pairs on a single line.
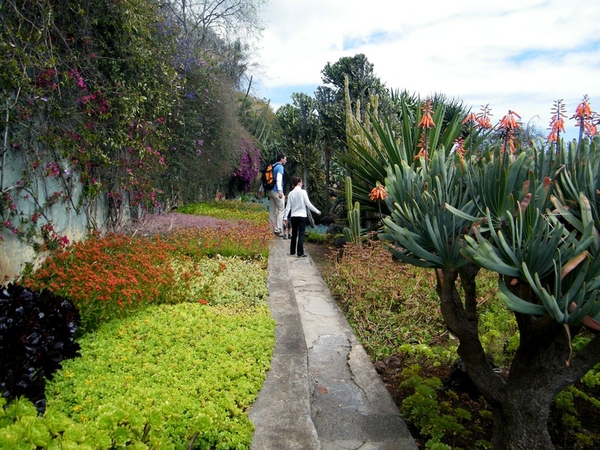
[[590, 129], [509, 122], [459, 147], [583, 110], [378, 193], [557, 121], [483, 118], [485, 123], [426, 119], [426, 122]]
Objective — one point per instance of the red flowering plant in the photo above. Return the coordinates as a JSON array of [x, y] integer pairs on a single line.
[[378, 194], [476, 121], [426, 123], [107, 277], [557, 123], [507, 126]]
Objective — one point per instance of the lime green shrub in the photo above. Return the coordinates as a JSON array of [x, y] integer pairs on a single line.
[[219, 280], [229, 210], [187, 372]]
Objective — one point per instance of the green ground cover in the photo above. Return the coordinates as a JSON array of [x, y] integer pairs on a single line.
[[174, 347]]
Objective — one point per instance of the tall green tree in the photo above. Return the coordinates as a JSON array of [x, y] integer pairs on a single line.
[[363, 84], [299, 122]]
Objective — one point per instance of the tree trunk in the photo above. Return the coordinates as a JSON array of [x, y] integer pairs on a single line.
[[541, 368], [521, 421]]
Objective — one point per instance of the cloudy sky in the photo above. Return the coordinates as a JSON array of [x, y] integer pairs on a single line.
[[520, 55]]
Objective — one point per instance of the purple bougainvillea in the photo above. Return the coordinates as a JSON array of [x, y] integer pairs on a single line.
[[249, 165]]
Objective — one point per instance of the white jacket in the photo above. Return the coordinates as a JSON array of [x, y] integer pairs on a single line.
[[297, 202]]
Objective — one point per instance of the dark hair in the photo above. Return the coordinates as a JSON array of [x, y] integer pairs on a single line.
[[280, 156], [295, 181]]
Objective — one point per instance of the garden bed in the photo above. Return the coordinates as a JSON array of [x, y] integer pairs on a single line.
[[478, 429]]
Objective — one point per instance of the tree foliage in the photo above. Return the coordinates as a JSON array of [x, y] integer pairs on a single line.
[[124, 102], [86, 87]]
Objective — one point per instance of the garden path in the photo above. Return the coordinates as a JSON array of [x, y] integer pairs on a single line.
[[322, 391]]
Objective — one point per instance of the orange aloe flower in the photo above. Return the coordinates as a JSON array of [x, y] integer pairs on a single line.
[[509, 121], [459, 147], [423, 145], [471, 119], [378, 193], [557, 121], [590, 129], [583, 110], [427, 119], [483, 118], [585, 118]]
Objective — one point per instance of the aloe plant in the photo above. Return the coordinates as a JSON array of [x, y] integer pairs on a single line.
[[374, 148], [533, 218]]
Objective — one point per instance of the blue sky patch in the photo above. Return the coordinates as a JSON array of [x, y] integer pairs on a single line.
[[377, 37]]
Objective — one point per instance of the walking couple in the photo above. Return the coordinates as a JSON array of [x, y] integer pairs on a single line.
[[294, 211]]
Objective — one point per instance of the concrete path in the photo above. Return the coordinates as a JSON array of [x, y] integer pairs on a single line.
[[322, 391]]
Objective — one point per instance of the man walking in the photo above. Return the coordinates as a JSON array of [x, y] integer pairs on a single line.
[[276, 197]]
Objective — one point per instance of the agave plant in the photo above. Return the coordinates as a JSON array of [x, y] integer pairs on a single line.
[[424, 232], [380, 145]]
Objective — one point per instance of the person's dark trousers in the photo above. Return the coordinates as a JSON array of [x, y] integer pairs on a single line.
[[298, 229]]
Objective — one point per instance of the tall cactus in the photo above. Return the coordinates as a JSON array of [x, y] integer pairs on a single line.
[[352, 233]]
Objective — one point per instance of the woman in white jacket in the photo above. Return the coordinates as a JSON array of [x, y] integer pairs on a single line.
[[296, 205]]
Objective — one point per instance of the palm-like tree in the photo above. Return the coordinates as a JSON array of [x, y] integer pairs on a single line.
[[533, 218]]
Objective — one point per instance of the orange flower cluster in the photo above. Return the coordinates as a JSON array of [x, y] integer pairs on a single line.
[[427, 118], [106, 277], [425, 124], [557, 121], [586, 118], [509, 121], [459, 147], [508, 124], [378, 193], [481, 120]]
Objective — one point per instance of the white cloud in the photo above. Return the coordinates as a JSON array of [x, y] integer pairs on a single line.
[[516, 54]]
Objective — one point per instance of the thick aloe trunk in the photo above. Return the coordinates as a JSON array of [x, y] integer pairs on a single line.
[[521, 421], [540, 369]]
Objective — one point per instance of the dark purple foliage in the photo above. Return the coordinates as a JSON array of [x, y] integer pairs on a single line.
[[37, 333]]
